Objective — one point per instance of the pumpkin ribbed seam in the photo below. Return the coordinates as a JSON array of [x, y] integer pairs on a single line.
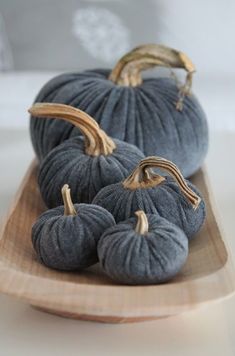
[[49, 234], [48, 122], [155, 104], [107, 118], [167, 112], [140, 142], [156, 253]]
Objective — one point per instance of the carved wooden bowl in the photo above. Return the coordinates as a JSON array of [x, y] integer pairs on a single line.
[[207, 276]]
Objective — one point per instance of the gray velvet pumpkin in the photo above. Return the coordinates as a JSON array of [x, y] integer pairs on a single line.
[[66, 237], [171, 197], [143, 250], [86, 164], [154, 114]]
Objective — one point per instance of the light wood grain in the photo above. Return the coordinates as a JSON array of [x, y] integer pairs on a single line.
[[207, 276]]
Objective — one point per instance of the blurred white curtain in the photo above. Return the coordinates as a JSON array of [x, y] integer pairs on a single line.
[[6, 60]]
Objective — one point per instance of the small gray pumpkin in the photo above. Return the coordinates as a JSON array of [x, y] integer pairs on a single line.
[[154, 114], [86, 164], [143, 250], [171, 197], [66, 237]]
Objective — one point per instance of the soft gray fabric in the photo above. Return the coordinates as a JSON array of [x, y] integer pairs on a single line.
[[85, 174], [131, 258], [165, 200], [70, 242], [145, 116]]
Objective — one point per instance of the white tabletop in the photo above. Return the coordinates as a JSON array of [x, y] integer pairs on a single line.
[[208, 331]]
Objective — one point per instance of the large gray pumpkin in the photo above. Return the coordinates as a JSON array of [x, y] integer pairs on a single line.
[[86, 164], [143, 250], [66, 237], [154, 114], [170, 197]]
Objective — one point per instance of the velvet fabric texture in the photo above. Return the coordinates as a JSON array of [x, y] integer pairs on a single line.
[[86, 175], [165, 200], [70, 242], [131, 258], [144, 116]]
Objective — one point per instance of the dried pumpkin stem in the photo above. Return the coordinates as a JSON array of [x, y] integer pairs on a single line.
[[127, 71], [142, 225], [97, 142], [140, 179], [69, 208]]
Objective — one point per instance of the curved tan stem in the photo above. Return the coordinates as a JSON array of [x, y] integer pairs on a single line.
[[135, 180], [128, 70], [96, 141], [142, 225], [68, 204]]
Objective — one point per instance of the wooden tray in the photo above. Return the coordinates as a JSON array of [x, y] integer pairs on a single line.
[[207, 276]]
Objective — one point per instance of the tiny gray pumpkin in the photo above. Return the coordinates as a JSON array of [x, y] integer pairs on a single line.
[[171, 197], [66, 237], [143, 250], [152, 113], [86, 164]]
